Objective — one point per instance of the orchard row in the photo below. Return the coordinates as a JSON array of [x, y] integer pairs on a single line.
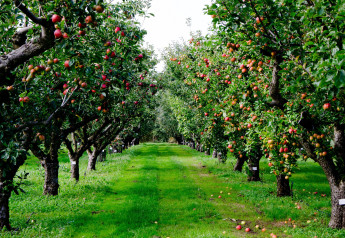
[[72, 74], [267, 83]]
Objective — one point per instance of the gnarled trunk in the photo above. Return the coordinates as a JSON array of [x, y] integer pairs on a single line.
[[338, 205], [51, 179], [334, 173], [93, 155], [240, 162], [91, 165], [283, 186]]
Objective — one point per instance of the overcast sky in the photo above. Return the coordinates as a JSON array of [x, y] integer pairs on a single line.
[[169, 22]]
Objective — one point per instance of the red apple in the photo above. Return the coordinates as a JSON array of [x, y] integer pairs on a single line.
[[88, 19], [55, 61], [239, 227], [57, 34], [117, 29], [247, 229], [41, 137], [81, 25], [67, 64], [26, 99], [56, 18], [326, 106]]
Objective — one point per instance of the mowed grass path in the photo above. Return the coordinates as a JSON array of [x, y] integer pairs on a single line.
[[164, 190]]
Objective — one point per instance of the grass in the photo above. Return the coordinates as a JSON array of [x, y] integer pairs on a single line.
[[164, 190]]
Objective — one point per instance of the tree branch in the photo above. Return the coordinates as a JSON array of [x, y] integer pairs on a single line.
[[29, 14], [274, 90]]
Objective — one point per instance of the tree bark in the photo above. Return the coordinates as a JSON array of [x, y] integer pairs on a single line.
[[51, 180], [338, 211], [4, 208], [207, 151], [254, 170], [239, 163], [283, 186], [214, 153], [333, 173], [102, 156], [221, 157], [92, 160], [75, 168]]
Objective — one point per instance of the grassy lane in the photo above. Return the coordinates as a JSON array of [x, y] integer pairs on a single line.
[[164, 190], [195, 203], [184, 210], [132, 209]]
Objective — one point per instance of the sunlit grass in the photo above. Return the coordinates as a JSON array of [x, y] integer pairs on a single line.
[[163, 190]]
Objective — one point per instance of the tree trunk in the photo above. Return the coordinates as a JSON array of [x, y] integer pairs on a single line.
[[207, 151], [102, 156], [4, 208], [197, 148], [51, 181], [334, 173], [92, 160], [222, 155], [283, 187], [239, 163], [75, 168], [201, 148], [214, 154], [253, 173], [338, 206], [192, 145]]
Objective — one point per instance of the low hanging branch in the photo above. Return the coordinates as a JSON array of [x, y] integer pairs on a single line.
[[25, 51]]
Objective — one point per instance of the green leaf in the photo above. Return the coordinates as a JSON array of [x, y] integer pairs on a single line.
[[339, 80]]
